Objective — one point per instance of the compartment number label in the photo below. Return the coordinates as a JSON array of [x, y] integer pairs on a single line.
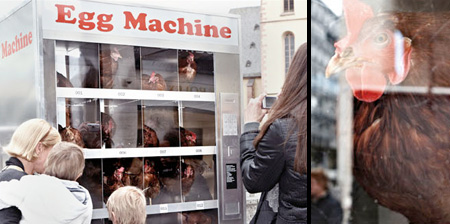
[[121, 93], [200, 205], [78, 92], [163, 208]]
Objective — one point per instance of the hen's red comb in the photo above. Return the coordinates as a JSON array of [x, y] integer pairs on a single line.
[[356, 13]]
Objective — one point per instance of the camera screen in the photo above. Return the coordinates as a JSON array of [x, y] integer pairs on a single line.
[[269, 101]]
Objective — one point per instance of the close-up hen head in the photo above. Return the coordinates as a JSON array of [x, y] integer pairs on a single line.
[[373, 53]]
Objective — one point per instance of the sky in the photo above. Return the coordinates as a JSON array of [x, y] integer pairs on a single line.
[[200, 6]]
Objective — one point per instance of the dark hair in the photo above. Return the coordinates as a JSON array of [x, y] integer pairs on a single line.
[[292, 102], [319, 175]]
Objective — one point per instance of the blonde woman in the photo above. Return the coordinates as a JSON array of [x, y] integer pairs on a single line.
[[29, 148], [126, 205], [54, 197]]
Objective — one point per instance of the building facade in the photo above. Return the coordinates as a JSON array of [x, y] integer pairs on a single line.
[[283, 30], [250, 61]]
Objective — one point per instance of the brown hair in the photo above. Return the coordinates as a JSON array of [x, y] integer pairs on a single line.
[[65, 161], [322, 179], [28, 135], [292, 102]]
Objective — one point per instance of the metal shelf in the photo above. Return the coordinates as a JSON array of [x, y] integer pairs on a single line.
[[166, 208], [149, 152], [65, 92]]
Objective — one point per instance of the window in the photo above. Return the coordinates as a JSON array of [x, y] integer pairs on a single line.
[[288, 5], [288, 50]]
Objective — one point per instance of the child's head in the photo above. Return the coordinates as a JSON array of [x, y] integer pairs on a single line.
[[126, 205], [65, 161]]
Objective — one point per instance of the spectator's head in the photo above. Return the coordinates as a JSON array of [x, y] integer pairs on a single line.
[[65, 161], [32, 142], [126, 205], [319, 183]]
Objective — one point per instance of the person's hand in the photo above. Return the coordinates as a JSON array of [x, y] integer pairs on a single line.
[[254, 112]]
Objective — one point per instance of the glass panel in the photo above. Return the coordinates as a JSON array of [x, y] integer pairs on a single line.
[[92, 181], [77, 64], [159, 69], [198, 122], [151, 184], [380, 92], [196, 71], [164, 218], [161, 126], [122, 120], [199, 178], [79, 121], [119, 67], [203, 217], [169, 169], [122, 172]]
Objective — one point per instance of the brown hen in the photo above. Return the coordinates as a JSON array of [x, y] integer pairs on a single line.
[[401, 138], [187, 68], [155, 81], [70, 134]]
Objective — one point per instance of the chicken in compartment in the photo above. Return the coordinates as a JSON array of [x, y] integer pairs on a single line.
[[195, 71], [200, 217], [199, 178], [198, 123], [159, 69], [158, 119]]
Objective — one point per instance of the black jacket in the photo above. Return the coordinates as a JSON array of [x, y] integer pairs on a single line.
[[272, 163], [11, 215], [328, 210]]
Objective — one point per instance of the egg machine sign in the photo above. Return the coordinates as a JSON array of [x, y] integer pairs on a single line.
[[128, 21]]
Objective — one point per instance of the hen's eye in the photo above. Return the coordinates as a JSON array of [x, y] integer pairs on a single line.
[[381, 39]]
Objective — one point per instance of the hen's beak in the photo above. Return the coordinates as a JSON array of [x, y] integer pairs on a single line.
[[340, 62]]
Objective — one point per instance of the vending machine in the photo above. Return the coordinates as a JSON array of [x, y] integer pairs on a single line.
[[152, 96]]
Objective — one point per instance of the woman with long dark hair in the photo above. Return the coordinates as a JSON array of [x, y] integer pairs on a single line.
[[274, 158]]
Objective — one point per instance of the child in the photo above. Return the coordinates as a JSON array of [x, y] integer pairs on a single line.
[[126, 205], [55, 196]]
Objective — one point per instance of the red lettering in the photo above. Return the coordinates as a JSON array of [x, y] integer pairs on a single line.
[[30, 36], [86, 25], [17, 44], [208, 29], [102, 26], [155, 27], [225, 32], [198, 28], [182, 25], [167, 27], [5, 49], [134, 22], [62, 14]]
